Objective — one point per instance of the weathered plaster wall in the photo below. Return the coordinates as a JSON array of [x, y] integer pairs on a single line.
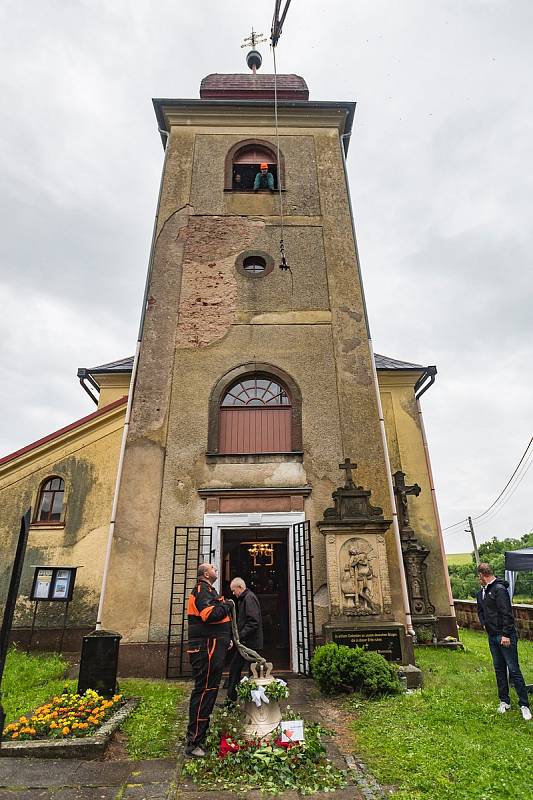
[[302, 196], [284, 346], [87, 462], [128, 600], [406, 452], [205, 318]]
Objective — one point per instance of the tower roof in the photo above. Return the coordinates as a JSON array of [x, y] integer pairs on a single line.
[[252, 87], [384, 363]]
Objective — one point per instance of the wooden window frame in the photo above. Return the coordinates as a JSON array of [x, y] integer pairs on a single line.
[[50, 522], [230, 155], [241, 373]]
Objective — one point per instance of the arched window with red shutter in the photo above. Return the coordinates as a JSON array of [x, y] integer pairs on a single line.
[[255, 416]]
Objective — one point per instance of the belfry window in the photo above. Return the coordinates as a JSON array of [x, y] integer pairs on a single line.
[[50, 501], [255, 416], [252, 161]]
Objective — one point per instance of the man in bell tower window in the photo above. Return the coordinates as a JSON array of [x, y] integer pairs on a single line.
[[264, 179]]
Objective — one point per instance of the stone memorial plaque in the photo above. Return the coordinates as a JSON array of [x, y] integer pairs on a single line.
[[384, 641]]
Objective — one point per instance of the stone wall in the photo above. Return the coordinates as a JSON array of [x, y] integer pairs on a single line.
[[467, 617]]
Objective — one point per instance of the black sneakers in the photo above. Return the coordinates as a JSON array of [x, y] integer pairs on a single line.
[[195, 750]]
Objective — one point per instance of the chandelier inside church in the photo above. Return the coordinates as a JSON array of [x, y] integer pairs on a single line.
[[262, 553]]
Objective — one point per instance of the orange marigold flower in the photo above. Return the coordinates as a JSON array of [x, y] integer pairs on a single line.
[[65, 731]]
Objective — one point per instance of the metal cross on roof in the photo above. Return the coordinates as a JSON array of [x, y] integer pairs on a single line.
[[254, 39]]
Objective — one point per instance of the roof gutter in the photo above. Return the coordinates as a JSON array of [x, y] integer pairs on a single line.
[[348, 107], [428, 374], [84, 375]]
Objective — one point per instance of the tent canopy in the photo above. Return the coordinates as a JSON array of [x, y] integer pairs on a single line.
[[519, 560]]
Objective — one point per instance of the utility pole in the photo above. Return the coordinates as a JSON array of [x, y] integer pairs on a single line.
[[473, 535]]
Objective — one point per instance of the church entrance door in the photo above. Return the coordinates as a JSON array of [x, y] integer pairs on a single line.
[[260, 558]]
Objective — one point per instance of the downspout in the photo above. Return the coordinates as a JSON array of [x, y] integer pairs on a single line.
[[430, 373], [130, 400], [388, 473]]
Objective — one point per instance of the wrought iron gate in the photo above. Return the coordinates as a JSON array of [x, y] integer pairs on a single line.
[[303, 592], [192, 546]]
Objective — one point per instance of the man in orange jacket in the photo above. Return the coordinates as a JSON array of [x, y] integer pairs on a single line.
[[209, 641]]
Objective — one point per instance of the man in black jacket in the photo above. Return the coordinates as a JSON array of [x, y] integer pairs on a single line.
[[209, 640], [496, 615], [250, 627]]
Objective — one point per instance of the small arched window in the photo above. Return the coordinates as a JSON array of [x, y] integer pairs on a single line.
[[255, 416], [246, 162], [50, 500]]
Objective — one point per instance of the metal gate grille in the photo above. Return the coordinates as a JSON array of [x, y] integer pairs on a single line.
[[305, 612], [192, 546]]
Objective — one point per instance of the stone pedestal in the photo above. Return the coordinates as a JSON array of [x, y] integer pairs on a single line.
[[360, 605]]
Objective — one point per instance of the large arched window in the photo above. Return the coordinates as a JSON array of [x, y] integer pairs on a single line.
[[255, 417], [50, 500], [243, 163], [255, 408]]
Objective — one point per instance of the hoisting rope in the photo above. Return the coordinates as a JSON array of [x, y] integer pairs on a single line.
[[246, 652], [283, 261]]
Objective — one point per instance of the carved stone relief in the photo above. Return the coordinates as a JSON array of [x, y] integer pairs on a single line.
[[360, 578]]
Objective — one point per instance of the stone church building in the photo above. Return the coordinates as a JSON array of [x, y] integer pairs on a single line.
[[254, 381]]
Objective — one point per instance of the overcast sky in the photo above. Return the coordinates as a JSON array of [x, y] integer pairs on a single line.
[[442, 182]]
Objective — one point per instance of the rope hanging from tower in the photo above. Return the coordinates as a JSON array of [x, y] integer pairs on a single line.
[[277, 24]]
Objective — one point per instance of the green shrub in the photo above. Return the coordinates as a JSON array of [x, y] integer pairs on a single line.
[[338, 668]]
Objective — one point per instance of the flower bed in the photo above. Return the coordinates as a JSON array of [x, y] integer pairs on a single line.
[[66, 715]]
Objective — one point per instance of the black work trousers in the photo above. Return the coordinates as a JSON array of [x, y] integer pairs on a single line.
[[207, 661], [235, 669]]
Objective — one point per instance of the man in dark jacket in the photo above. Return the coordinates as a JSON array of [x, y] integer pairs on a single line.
[[209, 640], [250, 627], [496, 615]]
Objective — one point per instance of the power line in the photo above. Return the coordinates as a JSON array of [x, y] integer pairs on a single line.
[[521, 477], [506, 499], [455, 524], [508, 482]]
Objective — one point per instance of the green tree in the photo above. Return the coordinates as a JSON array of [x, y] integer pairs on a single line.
[[463, 578]]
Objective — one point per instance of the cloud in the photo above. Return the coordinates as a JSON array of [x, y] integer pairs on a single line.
[[441, 179]]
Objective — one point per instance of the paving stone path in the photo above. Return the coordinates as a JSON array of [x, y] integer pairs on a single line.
[[160, 779]]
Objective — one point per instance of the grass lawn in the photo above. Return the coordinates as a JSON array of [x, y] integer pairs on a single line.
[[152, 729], [458, 559], [447, 741]]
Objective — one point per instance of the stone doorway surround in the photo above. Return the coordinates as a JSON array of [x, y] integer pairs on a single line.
[[256, 521]]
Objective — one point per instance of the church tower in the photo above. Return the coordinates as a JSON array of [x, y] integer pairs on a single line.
[[254, 381]]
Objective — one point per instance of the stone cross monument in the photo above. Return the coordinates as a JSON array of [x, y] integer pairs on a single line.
[[360, 605], [414, 558]]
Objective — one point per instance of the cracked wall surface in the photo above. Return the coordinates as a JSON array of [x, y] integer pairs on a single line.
[[205, 318]]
